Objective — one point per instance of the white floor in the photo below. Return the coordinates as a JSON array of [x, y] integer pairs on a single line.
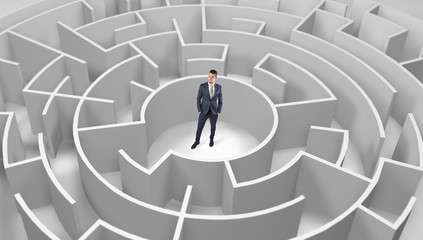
[[48, 216], [282, 157], [66, 169], [310, 221], [30, 140], [229, 142]]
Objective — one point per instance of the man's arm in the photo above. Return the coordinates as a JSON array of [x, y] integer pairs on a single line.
[[199, 97], [220, 98]]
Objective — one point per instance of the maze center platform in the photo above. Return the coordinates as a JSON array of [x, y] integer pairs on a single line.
[[242, 125], [319, 135], [230, 141]]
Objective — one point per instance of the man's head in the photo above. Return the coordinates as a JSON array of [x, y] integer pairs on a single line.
[[212, 76]]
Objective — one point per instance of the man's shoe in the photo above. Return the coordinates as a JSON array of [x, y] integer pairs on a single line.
[[194, 145], [211, 143]]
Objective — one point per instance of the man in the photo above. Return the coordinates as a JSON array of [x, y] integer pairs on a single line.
[[209, 105]]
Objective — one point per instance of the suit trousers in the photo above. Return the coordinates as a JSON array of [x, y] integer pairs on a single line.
[[202, 118]]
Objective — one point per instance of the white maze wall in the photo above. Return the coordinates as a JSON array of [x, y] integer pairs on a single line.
[[331, 91]]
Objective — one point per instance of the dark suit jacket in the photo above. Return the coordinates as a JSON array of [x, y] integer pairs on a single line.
[[204, 103]]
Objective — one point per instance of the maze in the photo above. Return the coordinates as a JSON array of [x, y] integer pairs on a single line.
[[324, 99]]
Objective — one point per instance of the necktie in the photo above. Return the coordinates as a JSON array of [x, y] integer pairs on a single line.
[[211, 91]]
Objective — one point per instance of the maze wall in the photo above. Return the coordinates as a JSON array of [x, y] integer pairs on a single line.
[[331, 91]]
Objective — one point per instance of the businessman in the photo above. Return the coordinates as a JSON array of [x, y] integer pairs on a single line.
[[209, 105]]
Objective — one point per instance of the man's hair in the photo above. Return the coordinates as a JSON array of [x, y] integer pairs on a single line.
[[213, 72]]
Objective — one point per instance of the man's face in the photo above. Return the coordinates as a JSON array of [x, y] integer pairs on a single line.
[[212, 78]]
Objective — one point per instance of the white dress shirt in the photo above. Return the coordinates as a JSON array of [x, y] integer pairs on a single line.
[[211, 86]]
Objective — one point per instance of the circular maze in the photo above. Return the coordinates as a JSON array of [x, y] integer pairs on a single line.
[[327, 94]]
